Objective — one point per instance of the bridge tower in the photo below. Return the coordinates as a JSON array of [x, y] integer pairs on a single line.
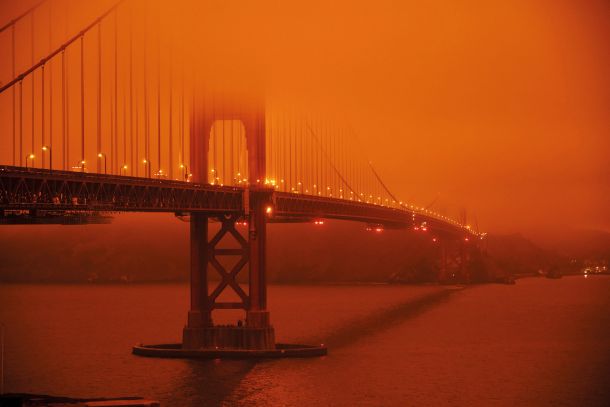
[[200, 331], [460, 260]]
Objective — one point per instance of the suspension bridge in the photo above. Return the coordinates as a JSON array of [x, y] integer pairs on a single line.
[[114, 117]]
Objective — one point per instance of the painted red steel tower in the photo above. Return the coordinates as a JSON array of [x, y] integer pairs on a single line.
[[206, 256]]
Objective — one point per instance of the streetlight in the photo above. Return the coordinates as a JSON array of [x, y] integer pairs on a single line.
[[48, 148], [185, 169], [82, 165], [123, 168], [30, 157], [102, 155], [146, 167]]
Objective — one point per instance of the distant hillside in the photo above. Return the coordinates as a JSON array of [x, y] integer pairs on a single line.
[[517, 255], [152, 248], [582, 244]]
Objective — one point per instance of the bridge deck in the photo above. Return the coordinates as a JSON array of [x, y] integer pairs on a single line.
[[35, 189]]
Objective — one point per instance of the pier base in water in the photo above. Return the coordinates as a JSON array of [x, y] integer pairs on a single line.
[[229, 337], [280, 351]]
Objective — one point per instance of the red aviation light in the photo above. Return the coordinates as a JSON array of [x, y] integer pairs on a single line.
[[375, 227]]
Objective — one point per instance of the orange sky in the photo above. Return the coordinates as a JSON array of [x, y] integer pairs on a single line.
[[499, 107]]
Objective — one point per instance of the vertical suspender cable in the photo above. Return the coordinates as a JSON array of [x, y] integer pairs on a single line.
[[232, 153], [33, 74], [21, 123], [131, 85], [182, 156], [99, 94], [302, 156], [183, 160], [273, 147], [171, 141], [214, 139], [321, 186], [329, 174], [63, 110], [344, 171], [115, 151], [238, 175], [280, 147], [331, 160], [290, 143], [269, 146], [223, 155], [283, 152], [50, 86], [159, 91], [136, 163], [82, 100], [124, 165], [326, 147], [67, 122], [42, 112], [13, 92], [320, 162], [334, 161], [146, 112], [123, 169], [312, 174]]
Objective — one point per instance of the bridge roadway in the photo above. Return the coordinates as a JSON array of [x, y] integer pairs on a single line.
[[36, 189]]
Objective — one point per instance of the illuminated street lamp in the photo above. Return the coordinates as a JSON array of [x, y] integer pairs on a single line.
[[123, 168], [45, 149], [102, 155], [82, 165], [146, 167], [29, 157], [185, 170]]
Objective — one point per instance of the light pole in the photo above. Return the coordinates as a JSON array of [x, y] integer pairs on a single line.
[[30, 157], [82, 165], [102, 155], [124, 168], [146, 167], [45, 149], [186, 171]]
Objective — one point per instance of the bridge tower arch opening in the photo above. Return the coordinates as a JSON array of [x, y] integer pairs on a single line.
[[209, 111], [228, 153]]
